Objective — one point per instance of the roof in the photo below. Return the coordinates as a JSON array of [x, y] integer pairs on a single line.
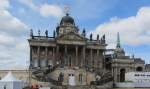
[[9, 77], [67, 19], [147, 65], [139, 60]]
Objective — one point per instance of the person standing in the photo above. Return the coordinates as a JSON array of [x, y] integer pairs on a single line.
[[4, 86]]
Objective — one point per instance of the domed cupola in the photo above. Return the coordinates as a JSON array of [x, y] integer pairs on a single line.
[[67, 24], [67, 20]]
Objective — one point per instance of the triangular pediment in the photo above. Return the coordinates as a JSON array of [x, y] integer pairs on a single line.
[[72, 36]]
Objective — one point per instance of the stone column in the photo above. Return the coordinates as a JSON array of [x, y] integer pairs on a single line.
[[83, 60], [97, 54], [38, 56], [91, 56], [46, 54], [54, 55], [65, 56], [104, 60], [77, 61], [57, 52], [31, 56], [118, 74]]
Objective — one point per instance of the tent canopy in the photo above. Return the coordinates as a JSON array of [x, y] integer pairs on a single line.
[[9, 77], [10, 82]]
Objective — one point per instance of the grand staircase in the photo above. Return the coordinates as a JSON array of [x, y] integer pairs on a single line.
[[41, 74], [105, 78]]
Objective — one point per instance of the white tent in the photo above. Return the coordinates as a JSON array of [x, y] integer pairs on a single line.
[[10, 82]]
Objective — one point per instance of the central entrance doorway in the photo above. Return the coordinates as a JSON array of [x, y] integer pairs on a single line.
[[122, 75], [72, 81]]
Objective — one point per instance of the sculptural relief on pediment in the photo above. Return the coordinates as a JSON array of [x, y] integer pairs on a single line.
[[72, 36]]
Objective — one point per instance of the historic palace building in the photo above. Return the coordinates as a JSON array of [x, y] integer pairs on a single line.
[[70, 58]]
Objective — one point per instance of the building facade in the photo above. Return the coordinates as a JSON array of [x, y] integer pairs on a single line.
[[67, 56], [70, 58], [122, 64]]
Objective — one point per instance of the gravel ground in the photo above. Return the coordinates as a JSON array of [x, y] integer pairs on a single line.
[[131, 88]]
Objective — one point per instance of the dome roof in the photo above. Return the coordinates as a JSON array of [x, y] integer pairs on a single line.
[[67, 19]]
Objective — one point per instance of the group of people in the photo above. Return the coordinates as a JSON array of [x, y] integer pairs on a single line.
[[35, 86]]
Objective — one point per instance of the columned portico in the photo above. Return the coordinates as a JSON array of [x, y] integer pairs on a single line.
[[67, 50]]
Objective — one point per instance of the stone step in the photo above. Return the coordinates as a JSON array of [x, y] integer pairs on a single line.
[[45, 88]]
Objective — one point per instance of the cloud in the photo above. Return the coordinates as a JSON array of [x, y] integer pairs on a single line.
[[4, 4], [29, 3], [13, 43], [6, 40], [13, 52], [10, 23], [134, 30], [45, 9], [50, 10]]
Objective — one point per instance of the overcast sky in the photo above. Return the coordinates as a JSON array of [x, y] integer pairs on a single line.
[[131, 18]]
